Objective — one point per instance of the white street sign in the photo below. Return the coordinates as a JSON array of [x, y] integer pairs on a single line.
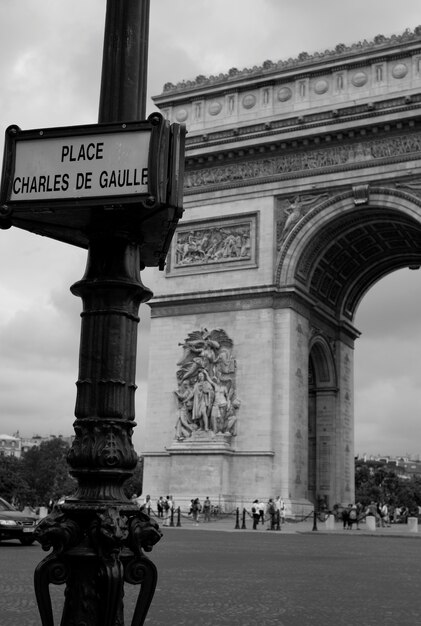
[[85, 166]]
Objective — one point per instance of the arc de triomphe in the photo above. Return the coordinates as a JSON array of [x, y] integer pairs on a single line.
[[302, 189]]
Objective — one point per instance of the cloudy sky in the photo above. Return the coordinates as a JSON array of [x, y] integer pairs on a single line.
[[50, 62]]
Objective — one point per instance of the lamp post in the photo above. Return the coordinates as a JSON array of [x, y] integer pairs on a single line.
[[98, 536]]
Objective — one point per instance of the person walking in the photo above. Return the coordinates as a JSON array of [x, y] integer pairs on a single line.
[[197, 507], [255, 513]]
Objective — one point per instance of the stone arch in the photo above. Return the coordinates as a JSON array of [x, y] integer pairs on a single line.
[[323, 362], [322, 417], [340, 248]]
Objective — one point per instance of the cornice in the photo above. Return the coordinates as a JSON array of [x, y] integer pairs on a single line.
[[309, 121], [262, 296], [304, 63]]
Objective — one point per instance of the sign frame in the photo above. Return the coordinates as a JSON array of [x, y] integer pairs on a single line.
[[158, 165]]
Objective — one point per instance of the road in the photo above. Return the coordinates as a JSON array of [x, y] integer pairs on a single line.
[[242, 578]]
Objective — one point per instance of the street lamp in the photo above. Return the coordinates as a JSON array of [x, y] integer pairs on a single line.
[[123, 206]]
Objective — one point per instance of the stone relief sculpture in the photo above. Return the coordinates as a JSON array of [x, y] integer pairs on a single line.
[[213, 245], [291, 211], [206, 394]]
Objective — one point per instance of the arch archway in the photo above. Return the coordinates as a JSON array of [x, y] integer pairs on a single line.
[[342, 247], [333, 256], [322, 413]]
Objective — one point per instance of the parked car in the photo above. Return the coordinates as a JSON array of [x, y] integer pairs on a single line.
[[16, 525]]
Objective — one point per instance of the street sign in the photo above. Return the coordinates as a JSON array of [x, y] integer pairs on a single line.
[[85, 164], [54, 181], [80, 166]]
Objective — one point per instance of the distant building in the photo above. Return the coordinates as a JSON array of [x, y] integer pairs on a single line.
[[15, 445], [10, 446], [409, 468]]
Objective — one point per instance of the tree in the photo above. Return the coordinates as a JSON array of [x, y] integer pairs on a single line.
[[13, 486], [379, 482], [46, 472]]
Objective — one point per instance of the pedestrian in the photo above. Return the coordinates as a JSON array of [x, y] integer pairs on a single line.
[[280, 510], [167, 511], [271, 510], [207, 506], [197, 507], [262, 511], [372, 511], [160, 506], [352, 516], [146, 505], [345, 517], [255, 513], [384, 515]]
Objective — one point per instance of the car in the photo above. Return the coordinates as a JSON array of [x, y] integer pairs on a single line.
[[16, 525]]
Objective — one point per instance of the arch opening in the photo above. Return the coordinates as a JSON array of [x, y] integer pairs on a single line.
[[388, 368], [355, 251], [322, 415]]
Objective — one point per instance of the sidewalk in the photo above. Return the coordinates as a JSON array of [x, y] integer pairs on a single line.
[[228, 523]]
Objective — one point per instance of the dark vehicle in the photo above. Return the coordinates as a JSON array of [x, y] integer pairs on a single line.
[[16, 525]]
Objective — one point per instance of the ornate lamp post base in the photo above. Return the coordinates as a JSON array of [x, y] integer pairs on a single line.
[[98, 535], [95, 569]]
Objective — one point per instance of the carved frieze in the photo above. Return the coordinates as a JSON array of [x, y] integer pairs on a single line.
[[207, 402], [214, 245], [343, 156]]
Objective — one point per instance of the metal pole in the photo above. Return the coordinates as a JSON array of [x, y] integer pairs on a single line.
[[99, 535], [124, 61]]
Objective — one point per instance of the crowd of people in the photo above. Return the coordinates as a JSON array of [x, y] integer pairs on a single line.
[[272, 511], [166, 505], [384, 514]]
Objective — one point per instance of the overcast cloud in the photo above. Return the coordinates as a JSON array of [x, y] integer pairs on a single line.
[[50, 63]]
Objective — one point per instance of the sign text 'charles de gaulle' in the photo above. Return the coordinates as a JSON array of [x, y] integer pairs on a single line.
[[55, 180]]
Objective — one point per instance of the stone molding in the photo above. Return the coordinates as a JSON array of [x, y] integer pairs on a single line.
[[341, 157], [331, 117]]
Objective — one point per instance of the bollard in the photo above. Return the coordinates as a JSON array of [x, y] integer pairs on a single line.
[[412, 524], [370, 521], [237, 519], [314, 519], [243, 526], [178, 518], [172, 517]]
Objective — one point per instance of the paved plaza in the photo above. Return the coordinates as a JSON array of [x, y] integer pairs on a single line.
[[213, 574]]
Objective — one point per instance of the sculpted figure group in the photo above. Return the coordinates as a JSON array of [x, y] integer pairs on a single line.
[[213, 245], [206, 394]]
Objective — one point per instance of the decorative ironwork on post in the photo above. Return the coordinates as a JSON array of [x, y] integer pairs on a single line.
[[98, 536]]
